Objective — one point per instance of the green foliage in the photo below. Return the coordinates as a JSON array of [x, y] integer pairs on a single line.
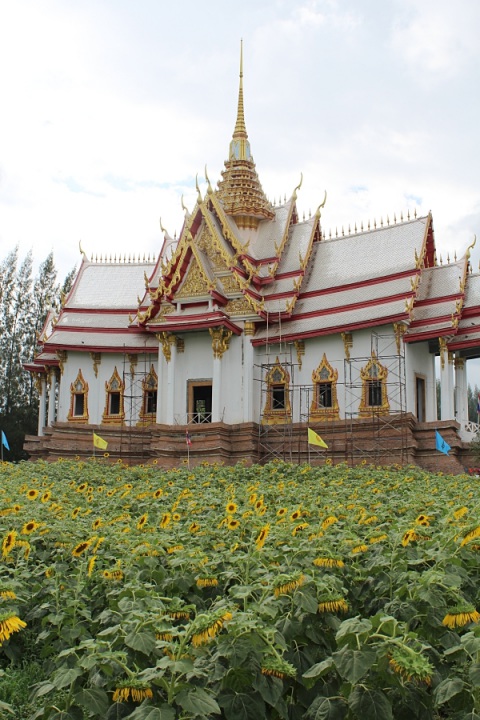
[[24, 304], [338, 593]]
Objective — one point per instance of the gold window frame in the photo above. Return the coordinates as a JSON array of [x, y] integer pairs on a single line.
[[149, 384], [277, 376], [114, 385], [78, 387], [373, 371], [324, 374]]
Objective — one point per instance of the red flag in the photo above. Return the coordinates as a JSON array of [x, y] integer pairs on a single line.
[[188, 438]]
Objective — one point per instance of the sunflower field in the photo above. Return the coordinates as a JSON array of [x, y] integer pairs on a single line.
[[242, 593]]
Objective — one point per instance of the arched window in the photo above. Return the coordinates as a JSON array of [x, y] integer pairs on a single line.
[[148, 412], [114, 413], [374, 389], [324, 405], [78, 411], [277, 405]]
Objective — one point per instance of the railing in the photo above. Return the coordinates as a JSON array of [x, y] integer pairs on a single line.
[[196, 418], [470, 426]]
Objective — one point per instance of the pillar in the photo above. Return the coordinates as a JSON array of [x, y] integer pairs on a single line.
[[52, 397], [461, 393], [220, 343], [446, 382], [42, 405], [248, 332]]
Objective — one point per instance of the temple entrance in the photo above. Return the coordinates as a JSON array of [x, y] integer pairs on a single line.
[[420, 398], [200, 401]]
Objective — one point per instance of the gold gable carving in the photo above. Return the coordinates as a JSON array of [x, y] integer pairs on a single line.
[[195, 282], [207, 244], [230, 283], [238, 306]]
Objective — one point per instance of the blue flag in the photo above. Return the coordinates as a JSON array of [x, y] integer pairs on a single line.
[[5, 441], [440, 444]]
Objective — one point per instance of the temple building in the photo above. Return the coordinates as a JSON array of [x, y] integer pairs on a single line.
[[255, 325]]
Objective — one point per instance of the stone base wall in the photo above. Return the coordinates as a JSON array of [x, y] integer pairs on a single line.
[[396, 439]]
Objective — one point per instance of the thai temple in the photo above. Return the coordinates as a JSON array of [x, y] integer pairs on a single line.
[[255, 325]]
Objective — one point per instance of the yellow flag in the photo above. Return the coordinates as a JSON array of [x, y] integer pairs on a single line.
[[99, 442], [314, 439]]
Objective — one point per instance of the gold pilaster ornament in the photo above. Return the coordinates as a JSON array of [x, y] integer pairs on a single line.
[[133, 360], [249, 328], [167, 340], [443, 349], [347, 343], [459, 363], [180, 344], [96, 359], [62, 359], [399, 329], [220, 341], [37, 377], [451, 358], [300, 348]]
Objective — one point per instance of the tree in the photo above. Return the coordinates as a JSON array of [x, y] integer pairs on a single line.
[[24, 305]]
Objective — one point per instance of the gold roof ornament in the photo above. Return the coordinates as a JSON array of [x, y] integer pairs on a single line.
[[240, 190]]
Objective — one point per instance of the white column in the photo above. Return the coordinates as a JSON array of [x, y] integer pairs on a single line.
[[217, 389], [42, 405], [171, 382], [248, 332], [446, 386], [160, 375], [51, 397], [461, 395]]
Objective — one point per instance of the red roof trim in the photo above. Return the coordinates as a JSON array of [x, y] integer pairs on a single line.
[[354, 306], [360, 283], [102, 349], [331, 331], [437, 300], [431, 321]]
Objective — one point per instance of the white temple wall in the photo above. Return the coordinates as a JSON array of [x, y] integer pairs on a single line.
[[420, 378]]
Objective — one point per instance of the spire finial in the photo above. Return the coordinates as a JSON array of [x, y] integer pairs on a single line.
[[239, 146]]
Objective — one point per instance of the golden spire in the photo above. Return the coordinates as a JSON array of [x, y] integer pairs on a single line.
[[240, 190]]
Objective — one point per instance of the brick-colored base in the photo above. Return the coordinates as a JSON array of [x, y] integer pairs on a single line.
[[398, 439]]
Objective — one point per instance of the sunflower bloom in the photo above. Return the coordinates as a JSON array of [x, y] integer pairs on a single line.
[[208, 626], [460, 615], [90, 566], [9, 543], [166, 519], [231, 508], [10, 623], [338, 604], [286, 584], [81, 547], [207, 582], [262, 536], [328, 562], [411, 666], [6, 593], [136, 689], [330, 520], [32, 494], [299, 528], [194, 527], [30, 527], [472, 535], [233, 524], [46, 496], [277, 667], [142, 521]]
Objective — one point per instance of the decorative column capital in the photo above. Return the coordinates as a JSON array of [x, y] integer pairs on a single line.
[[220, 341], [300, 348], [62, 359], [347, 343], [459, 363], [97, 359], [399, 329], [443, 349], [249, 327], [166, 340]]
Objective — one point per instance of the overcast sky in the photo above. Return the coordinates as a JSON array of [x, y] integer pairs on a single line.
[[111, 107]]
